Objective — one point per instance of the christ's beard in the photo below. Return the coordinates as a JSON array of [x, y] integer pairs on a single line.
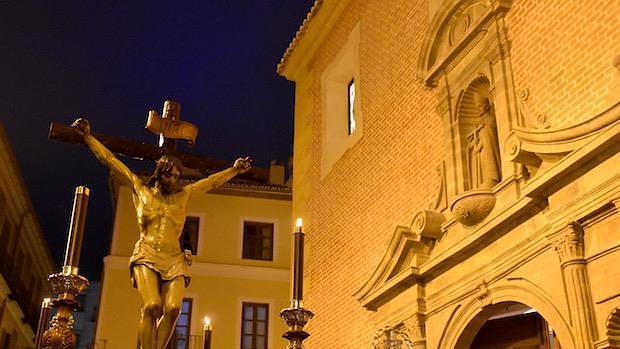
[[168, 188]]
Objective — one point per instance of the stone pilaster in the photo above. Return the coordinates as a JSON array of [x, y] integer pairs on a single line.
[[417, 331], [570, 248]]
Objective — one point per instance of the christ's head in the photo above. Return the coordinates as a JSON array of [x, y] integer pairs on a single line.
[[167, 173]]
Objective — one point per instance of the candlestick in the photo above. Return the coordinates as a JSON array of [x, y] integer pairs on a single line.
[[76, 230], [44, 318], [298, 266], [296, 316], [206, 327]]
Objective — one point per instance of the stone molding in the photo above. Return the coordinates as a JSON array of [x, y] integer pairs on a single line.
[[569, 245], [612, 335], [533, 193], [539, 120], [529, 146], [390, 337], [457, 23], [428, 223], [398, 270], [469, 311]]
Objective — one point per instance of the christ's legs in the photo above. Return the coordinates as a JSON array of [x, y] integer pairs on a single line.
[[147, 282], [172, 295]]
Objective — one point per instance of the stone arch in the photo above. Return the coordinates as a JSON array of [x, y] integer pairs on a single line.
[[453, 27], [473, 314], [612, 326]]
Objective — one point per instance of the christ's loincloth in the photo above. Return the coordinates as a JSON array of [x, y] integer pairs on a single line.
[[167, 265]]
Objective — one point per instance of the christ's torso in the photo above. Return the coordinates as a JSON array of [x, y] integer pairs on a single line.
[[160, 217]]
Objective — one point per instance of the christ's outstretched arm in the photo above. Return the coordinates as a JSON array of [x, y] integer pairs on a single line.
[[103, 154], [215, 180]]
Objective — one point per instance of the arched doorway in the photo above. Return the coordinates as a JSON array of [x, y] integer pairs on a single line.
[[508, 325]]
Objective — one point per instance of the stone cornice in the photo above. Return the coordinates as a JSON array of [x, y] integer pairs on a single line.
[[542, 184], [599, 197], [395, 271], [528, 146], [216, 269], [430, 64], [530, 247], [233, 188], [569, 244]]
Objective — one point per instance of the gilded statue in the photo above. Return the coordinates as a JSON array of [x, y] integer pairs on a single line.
[[158, 268], [483, 148]]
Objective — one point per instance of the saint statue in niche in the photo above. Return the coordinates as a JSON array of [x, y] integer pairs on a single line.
[[482, 147]]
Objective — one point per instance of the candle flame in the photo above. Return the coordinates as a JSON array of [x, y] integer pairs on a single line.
[[207, 321], [298, 224]]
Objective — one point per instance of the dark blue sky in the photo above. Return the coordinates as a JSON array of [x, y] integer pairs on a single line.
[[112, 61]]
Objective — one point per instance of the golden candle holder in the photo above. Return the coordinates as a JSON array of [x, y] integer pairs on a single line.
[[296, 316], [296, 319], [68, 283]]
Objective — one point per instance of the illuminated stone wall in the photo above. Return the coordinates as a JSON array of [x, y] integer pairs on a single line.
[[560, 51]]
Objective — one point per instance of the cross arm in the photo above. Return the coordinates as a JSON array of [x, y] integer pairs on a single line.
[[145, 151]]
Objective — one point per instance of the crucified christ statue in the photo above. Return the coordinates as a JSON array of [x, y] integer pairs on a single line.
[[158, 268]]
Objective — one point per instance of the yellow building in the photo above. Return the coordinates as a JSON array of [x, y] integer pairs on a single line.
[[456, 166], [25, 259], [239, 235]]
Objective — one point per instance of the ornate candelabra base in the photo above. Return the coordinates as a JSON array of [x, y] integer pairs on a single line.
[[296, 318], [67, 285]]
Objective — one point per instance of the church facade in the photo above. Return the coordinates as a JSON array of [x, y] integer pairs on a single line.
[[456, 166]]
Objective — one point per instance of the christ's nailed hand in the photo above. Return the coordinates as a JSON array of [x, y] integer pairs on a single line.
[[82, 126]]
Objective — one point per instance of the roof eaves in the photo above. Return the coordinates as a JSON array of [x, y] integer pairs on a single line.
[[298, 35]]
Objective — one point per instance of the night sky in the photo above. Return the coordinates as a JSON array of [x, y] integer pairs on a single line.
[[112, 61]]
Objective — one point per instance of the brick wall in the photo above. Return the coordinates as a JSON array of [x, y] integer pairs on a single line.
[[561, 51]]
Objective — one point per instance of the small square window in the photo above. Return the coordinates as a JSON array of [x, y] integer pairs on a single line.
[[254, 325], [258, 241], [189, 237]]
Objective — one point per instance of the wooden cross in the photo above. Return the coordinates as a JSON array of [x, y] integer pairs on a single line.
[[170, 128]]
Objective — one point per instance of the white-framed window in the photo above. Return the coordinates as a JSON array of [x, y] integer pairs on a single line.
[[258, 239], [255, 318], [254, 325], [342, 119]]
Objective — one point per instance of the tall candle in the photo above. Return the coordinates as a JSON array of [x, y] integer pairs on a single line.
[[44, 318], [76, 227], [206, 327], [298, 266]]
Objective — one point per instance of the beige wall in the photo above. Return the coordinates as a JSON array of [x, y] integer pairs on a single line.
[[561, 51], [221, 279], [25, 259], [221, 234]]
